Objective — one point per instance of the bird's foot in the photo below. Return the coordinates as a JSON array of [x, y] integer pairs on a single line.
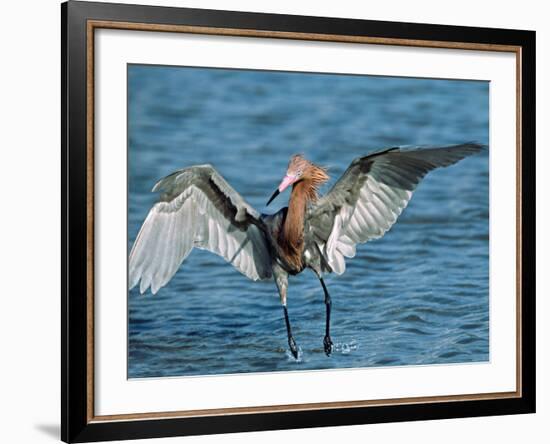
[[293, 348], [327, 342]]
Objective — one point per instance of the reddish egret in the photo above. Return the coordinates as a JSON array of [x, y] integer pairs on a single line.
[[198, 208]]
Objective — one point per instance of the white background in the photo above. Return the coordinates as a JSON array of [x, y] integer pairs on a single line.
[[29, 238]]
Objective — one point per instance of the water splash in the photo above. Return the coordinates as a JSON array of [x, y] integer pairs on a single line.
[[346, 348], [290, 357]]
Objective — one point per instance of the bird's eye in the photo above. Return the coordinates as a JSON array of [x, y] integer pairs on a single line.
[[299, 174]]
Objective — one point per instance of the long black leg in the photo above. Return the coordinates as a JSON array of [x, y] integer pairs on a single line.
[[291, 341], [281, 279], [327, 342]]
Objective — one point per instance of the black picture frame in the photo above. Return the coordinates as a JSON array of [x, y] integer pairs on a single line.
[[76, 423]]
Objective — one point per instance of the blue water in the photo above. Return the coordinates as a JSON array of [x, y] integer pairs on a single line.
[[419, 295]]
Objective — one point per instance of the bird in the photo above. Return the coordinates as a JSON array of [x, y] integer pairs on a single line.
[[198, 208]]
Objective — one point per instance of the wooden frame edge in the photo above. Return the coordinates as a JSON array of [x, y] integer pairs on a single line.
[[336, 38], [303, 407], [90, 254]]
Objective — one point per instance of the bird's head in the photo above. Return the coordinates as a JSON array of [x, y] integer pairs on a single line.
[[300, 169]]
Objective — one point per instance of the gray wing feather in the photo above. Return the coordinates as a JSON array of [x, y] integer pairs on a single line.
[[197, 208], [371, 194]]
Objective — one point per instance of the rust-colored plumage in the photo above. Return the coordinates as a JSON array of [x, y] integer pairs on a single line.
[[304, 192]]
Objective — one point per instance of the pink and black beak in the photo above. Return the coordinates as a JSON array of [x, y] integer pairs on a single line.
[[285, 183]]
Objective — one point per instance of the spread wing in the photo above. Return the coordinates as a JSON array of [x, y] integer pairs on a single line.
[[197, 208], [371, 194]]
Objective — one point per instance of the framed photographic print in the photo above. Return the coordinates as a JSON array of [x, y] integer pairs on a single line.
[[275, 221]]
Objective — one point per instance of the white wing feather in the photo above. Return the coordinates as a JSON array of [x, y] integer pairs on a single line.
[[201, 211], [371, 194]]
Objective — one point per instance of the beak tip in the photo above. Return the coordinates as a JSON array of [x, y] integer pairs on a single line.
[[275, 194]]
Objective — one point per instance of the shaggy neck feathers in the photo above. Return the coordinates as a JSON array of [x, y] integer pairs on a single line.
[[304, 192]]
